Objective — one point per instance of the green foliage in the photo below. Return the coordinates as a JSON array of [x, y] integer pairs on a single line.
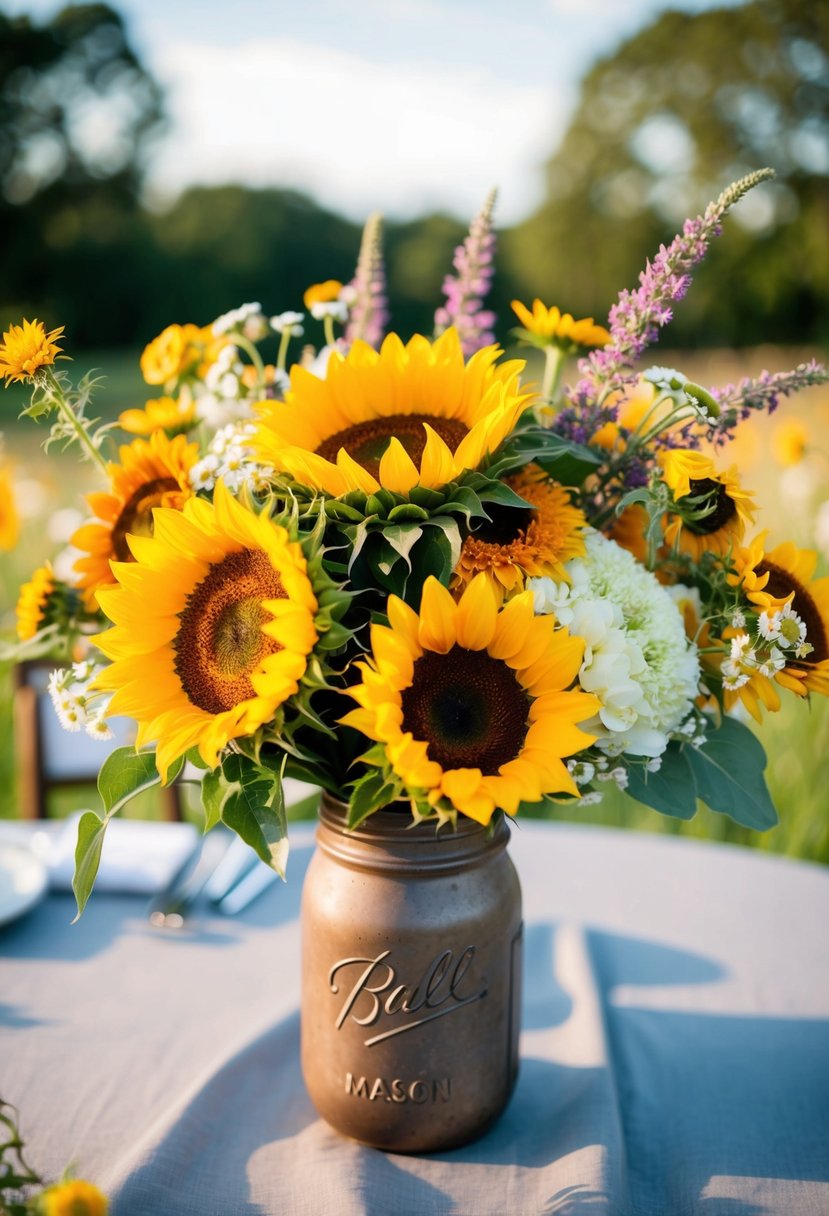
[[15, 1172], [124, 774], [726, 773], [248, 798]]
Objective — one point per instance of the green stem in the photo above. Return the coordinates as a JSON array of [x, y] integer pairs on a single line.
[[554, 358], [328, 327], [283, 348], [256, 359], [81, 435]]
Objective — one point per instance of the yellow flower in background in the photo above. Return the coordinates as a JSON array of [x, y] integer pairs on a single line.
[[322, 293], [607, 437], [789, 442], [691, 475], [551, 327], [470, 702], [26, 348], [33, 601], [176, 349], [213, 626], [519, 543], [73, 1198], [161, 414], [9, 517], [151, 474], [404, 416]]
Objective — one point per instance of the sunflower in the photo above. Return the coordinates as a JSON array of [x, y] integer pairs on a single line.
[[213, 626], [469, 702], [33, 602], [26, 348], [161, 414], [784, 576], [717, 512], [551, 327], [532, 541], [152, 473], [73, 1197], [395, 418]]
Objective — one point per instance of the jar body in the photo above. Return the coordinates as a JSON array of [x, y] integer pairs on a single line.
[[411, 944]]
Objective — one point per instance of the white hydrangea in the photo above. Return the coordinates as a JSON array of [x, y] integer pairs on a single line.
[[637, 659]]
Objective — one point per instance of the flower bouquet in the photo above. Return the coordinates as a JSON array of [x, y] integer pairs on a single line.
[[409, 574]]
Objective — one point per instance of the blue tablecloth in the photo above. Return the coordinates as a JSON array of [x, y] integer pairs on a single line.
[[675, 1048]]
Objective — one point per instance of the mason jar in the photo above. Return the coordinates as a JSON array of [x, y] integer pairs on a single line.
[[411, 978]]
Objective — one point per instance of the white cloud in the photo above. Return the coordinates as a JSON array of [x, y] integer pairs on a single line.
[[357, 134]]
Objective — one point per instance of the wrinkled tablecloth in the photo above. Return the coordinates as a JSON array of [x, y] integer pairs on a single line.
[[675, 1048]]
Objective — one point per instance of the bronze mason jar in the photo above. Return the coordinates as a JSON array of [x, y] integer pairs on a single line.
[[411, 979]]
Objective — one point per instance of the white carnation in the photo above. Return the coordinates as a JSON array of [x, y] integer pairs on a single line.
[[637, 658]]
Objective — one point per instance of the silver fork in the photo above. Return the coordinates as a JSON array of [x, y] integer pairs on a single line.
[[197, 876]]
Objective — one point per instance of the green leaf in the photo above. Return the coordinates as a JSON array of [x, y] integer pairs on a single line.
[[126, 772], [728, 772], [249, 799], [671, 790], [371, 793], [91, 832]]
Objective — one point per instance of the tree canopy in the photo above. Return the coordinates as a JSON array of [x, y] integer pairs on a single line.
[[690, 103]]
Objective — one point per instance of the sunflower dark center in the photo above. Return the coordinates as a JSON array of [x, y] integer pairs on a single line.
[[468, 707], [723, 510], [366, 442], [781, 584], [505, 525], [137, 514], [220, 639]]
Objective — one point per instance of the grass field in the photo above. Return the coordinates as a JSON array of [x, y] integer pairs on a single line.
[[49, 490]]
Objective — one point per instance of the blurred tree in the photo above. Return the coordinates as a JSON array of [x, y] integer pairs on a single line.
[[78, 115], [690, 103]]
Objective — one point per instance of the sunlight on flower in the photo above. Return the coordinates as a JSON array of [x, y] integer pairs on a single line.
[[550, 327], [26, 348]]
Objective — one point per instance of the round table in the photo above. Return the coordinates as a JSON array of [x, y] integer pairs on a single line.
[[675, 1047]]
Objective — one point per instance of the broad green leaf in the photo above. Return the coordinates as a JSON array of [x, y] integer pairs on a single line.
[[251, 802], [728, 772], [91, 831], [671, 790], [125, 773], [371, 793]]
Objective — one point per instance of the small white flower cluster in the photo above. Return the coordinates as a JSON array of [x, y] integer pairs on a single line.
[[72, 698], [637, 658], [230, 459], [336, 309], [781, 636], [247, 319], [288, 322]]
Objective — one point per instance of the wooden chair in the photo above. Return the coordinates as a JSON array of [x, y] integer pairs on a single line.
[[48, 757]]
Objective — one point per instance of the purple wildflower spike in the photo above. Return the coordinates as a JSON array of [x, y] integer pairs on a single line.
[[368, 310], [637, 317], [466, 291], [738, 401]]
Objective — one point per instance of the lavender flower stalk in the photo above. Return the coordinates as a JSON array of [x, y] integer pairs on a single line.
[[366, 293], [738, 401], [466, 291], [637, 317]]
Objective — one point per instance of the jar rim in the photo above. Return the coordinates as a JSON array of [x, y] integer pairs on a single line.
[[389, 841]]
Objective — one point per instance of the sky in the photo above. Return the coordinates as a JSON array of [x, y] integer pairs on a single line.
[[402, 106]]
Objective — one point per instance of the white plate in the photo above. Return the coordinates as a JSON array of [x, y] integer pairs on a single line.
[[23, 880]]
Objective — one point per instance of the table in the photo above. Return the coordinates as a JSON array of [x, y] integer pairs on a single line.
[[675, 1048]]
